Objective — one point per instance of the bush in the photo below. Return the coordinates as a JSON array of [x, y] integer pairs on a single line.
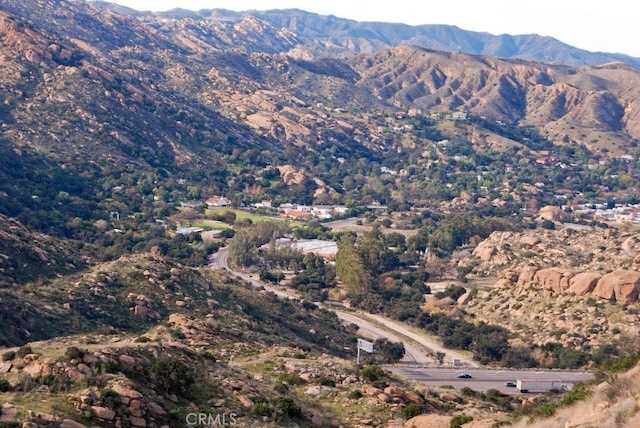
[[356, 394], [262, 408], [372, 373], [142, 339], [453, 291], [412, 410], [458, 420], [23, 351], [387, 351], [5, 386], [172, 376], [326, 381], [110, 398], [468, 392], [287, 408], [178, 334], [8, 356], [292, 379], [548, 224], [74, 353], [380, 384]]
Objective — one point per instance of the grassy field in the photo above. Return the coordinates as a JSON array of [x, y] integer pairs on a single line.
[[240, 214], [209, 224]]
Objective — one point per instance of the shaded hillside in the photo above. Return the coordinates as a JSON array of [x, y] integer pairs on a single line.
[[29, 256], [138, 292]]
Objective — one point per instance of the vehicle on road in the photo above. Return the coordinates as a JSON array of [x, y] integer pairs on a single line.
[[464, 376], [510, 384], [539, 385]]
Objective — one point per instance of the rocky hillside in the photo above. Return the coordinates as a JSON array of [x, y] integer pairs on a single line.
[[29, 256], [554, 99], [577, 287], [159, 341], [566, 249], [81, 51], [163, 379], [136, 292]]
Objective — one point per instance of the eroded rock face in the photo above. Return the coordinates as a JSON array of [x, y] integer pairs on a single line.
[[428, 421], [554, 279], [583, 283], [622, 286], [552, 213]]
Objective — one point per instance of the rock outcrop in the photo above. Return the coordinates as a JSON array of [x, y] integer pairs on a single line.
[[583, 283], [552, 213], [621, 286], [556, 280], [428, 421]]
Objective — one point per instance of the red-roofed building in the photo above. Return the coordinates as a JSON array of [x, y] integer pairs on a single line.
[[297, 215]]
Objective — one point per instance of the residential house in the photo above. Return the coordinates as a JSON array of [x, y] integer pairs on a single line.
[[218, 201], [188, 230], [297, 215]]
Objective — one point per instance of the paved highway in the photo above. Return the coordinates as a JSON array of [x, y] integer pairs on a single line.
[[484, 379]]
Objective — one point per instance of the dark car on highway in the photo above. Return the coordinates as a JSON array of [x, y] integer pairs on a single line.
[[510, 384], [464, 376]]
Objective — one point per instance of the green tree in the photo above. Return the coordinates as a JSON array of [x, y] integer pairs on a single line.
[[172, 376], [229, 217], [371, 373], [351, 269], [387, 351]]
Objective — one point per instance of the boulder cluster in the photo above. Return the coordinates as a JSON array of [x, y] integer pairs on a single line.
[[620, 286]]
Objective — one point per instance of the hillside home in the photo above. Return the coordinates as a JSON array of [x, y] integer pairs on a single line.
[[262, 204], [297, 215], [218, 201], [189, 230]]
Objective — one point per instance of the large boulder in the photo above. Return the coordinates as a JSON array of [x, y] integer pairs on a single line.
[[584, 283], [529, 240], [485, 251], [428, 421], [552, 213], [554, 279], [370, 390], [104, 413], [622, 286], [69, 423], [526, 277]]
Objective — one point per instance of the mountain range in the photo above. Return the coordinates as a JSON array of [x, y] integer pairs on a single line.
[[330, 35]]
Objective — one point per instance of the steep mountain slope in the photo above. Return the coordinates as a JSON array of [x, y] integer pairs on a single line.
[[137, 292], [28, 256], [111, 119], [552, 98]]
